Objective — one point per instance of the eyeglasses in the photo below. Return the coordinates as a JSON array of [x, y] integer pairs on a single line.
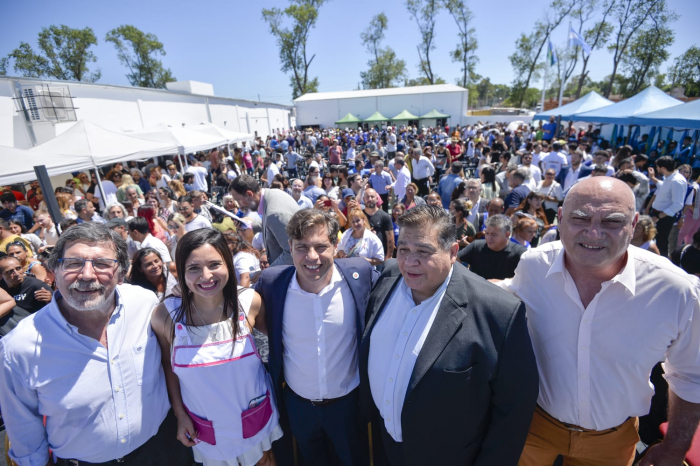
[[77, 265], [549, 174]]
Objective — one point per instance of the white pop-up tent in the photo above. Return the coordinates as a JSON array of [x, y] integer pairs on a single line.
[[186, 140], [587, 103], [18, 164], [103, 145], [230, 136], [650, 99]]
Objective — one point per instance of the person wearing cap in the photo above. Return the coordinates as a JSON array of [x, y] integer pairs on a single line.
[[381, 180]]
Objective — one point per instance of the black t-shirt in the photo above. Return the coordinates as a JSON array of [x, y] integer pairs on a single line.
[[491, 264], [24, 294], [381, 223], [687, 258]]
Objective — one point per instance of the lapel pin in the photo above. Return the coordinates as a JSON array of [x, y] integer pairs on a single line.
[[355, 275]]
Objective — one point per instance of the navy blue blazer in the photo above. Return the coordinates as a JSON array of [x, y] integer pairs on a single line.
[[272, 287]]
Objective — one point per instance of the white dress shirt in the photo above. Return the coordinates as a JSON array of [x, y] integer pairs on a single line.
[[535, 173], [670, 196], [304, 202], [272, 170], [594, 362], [571, 177], [101, 403], [397, 340], [200, 178], [320, 340], [151, 241], [423, 168], [403, 179]]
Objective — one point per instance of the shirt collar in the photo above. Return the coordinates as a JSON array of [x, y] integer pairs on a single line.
[[626, 277], [335, 278], [261, 210]]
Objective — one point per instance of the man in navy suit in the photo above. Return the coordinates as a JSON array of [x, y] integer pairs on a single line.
[[314, 316], [447, 367]]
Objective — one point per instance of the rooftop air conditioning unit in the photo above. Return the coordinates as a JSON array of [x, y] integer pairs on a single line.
[[48, 104]]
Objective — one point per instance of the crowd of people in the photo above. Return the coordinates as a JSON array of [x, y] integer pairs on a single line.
[[301, 286]]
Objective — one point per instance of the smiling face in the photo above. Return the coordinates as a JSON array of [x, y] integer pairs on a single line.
[[205, 272], [597, 223], [313, 259], [151, 266], [424, 265]]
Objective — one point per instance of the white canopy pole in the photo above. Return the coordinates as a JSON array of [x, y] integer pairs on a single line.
[[103, 200]]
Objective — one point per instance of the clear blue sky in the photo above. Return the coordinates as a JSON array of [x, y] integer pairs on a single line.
[[226, 42]]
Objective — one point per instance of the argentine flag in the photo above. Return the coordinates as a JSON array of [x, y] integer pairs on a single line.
[[576, 39], [551, 55]]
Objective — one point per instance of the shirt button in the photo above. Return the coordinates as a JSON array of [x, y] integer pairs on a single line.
[[388, 420], [405, 333], [387, 401], [396, 356], [123, 440], [391, 380], [414, 311], [121, 416], [117, 389]]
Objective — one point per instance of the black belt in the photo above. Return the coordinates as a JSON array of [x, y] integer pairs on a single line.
[[74, 462], [315, 402]]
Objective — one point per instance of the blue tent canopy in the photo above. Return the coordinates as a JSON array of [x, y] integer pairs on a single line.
[[650, 99], [588, 102], [686, 116]]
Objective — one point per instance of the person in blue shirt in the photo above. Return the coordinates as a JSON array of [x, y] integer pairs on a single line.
[[685, 152], [449, 183], [274, 143], [550, 129], [13, 211], [380, 180]]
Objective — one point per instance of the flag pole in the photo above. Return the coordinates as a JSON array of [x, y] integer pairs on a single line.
[[562, 78], [544, 86]]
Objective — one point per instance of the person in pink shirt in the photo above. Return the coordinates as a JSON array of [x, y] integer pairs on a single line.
[[334, 153]]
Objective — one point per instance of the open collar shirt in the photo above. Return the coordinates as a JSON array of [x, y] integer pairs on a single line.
[[594, 362], [100, 403], [397, 340]]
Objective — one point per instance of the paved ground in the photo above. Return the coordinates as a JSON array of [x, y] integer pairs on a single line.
[[2, 448]]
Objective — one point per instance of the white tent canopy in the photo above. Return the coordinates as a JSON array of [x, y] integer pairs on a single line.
[[587, 103], [650, 99], [18, 164], [186, 140], [104, 146], [230, 136]]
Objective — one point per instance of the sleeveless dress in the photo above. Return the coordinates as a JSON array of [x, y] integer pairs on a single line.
[[225, 388]]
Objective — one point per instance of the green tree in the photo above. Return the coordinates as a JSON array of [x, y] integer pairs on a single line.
[[422, 81], [647, 52], [4, 63], [528, 49], [464, 53], [425, 13], [531, 97], [63, 53], [137, 51], [628, 17], [596, 37], [384, 70], [686, 71], [292, 42]]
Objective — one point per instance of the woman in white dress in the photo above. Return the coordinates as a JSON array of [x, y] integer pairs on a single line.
[[218, 386]]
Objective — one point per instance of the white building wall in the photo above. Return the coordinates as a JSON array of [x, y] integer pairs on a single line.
[[124, 108], [327, 112]]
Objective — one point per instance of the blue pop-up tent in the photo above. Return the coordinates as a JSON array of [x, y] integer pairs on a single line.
[[686, 116], [650, 99], [588, 102]]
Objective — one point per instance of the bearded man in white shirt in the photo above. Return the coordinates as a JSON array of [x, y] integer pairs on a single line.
[[601, 314]]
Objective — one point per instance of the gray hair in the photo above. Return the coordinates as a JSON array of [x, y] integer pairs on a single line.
[[522, 173], [426, 217], [417, 151], [501, 222], [112, 205], [91, 234], [475, 181]]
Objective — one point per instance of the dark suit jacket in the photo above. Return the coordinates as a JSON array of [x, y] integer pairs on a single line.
[[272, 287], [473, 390]]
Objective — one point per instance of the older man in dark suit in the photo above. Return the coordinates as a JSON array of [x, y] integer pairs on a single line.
[[447, 367]]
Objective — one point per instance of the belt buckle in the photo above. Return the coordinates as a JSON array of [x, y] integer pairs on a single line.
[[73, 462], [313, 402], [120, 460]]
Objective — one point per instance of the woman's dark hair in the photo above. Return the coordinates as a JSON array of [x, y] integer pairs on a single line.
[[169, 192], [136, 275], [525, 206], [185, 246], [489, 174], [458, 191], [329, 177], [14, 221], [282, 179], [237, 244]]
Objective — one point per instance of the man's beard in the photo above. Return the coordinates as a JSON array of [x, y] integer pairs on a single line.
[[371, 204], [86, 303]]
